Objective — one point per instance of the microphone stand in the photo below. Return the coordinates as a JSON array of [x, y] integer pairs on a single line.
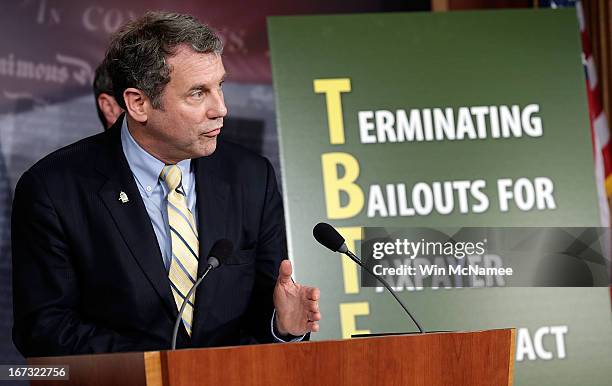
[[184, 304], [343, 249]]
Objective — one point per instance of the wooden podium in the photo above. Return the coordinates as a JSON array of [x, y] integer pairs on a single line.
[[455, 358]]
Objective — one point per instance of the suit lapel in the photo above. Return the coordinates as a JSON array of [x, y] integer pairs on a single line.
[[131, 217], [212, 191]]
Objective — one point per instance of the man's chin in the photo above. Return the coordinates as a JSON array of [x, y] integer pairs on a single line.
[[207, 148]]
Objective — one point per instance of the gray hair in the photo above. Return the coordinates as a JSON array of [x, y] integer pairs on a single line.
[[137, 53]]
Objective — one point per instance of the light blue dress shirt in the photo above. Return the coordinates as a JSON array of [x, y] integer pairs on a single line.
[[146, 170]]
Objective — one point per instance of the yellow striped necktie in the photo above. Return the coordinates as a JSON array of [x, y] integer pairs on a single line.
[[184, 239]]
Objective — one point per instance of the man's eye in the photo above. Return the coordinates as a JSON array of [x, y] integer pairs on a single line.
[[197, 94]]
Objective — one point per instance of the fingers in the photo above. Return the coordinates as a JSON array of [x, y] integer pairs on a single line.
[[314, 316], [312, 326], [284, 272], [313, 293], [312, 305]]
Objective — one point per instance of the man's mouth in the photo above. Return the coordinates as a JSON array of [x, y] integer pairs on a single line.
[[212, 133]]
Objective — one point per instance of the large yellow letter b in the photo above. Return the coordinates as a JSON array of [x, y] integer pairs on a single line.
[[333, 185]]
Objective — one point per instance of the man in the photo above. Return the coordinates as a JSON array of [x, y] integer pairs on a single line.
[[109, 233], [106, 105]]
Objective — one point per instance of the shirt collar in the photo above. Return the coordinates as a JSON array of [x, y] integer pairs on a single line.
[[144, 166]]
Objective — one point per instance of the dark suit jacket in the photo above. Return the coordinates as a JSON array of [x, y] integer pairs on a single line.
[[88, 275]]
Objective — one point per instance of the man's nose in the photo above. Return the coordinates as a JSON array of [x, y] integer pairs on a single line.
[[217, 109]]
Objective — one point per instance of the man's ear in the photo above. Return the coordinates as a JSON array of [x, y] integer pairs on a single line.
[[137, 104]]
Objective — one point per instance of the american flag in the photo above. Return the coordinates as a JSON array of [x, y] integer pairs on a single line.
[[600, 133]]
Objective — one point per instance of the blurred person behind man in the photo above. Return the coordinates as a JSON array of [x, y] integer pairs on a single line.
[[106, 104]]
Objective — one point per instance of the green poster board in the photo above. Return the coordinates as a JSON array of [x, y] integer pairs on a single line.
[[442, 119]]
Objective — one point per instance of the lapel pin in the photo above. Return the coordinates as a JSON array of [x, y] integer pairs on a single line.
[[123, 197]]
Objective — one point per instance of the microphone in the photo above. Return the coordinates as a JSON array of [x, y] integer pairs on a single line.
[[220, 251], [329, 237]]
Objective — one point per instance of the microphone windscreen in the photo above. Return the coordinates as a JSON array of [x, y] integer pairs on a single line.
[[213, 262], [328, 236], [222, 250]]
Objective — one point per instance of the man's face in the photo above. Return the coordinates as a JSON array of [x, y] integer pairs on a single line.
[[191, 116]]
